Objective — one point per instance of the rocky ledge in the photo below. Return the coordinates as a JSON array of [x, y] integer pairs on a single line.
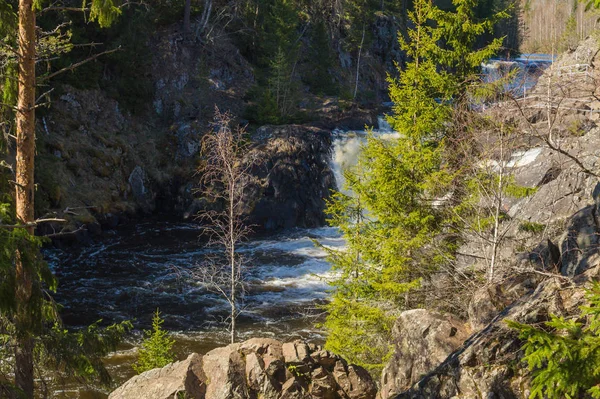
[[257, 368]]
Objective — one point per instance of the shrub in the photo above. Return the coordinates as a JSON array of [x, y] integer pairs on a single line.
[[565, 355], [157, 347]]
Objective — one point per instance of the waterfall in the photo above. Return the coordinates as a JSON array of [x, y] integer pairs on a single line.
[[347, 146], [529, 67]]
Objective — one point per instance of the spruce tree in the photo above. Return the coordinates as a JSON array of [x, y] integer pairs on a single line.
[[388, 219], [392, 218], [564, 355], [157, 348]]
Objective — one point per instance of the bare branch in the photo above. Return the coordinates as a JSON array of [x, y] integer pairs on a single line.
[[78, 64]]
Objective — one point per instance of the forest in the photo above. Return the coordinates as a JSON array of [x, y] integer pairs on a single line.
[[299, 199]]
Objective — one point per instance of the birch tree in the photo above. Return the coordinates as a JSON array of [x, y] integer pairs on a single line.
[[225, 176]]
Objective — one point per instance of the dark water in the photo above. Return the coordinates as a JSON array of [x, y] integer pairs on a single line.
[[137, 269]]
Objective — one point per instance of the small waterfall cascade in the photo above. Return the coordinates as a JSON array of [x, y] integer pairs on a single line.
[[528, 67], [347, 146]]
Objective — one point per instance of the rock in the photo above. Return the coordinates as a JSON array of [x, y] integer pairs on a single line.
[[295, 352], [184, 377], [354, 381], [226, 372], [293, 179], [324, 358], [292, 389], [136, 181], [322, 384], [422, 341], [142, 195], [488, 301], [483, 366], [268, 369], [581, 242], [188, 140]]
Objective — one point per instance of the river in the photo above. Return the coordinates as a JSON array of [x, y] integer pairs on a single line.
[[138, 268]]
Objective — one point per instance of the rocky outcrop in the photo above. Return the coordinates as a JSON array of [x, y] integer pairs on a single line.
[[257, 368], [487, 363], [181, 378], [422, 340], [294, 177]]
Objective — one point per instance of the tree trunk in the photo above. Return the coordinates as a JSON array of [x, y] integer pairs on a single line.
[[362, 41], [25, 121], [234, 279], [186, 18]]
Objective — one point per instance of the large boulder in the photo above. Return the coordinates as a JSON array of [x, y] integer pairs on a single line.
[[423, 340], [257, 368], [184, 377], [293, 179], [484, 365]]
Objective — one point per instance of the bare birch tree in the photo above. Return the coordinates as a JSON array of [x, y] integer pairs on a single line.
[[225, 176]]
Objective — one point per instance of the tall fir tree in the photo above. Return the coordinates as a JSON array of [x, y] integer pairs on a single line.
[[392, 218]]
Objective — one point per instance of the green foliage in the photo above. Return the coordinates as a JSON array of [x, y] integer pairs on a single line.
[[105, 12], [275, 22], [8, 19], [157, 348], [389, 218], [461, 30], [79, 353], [320, 55], [564, 357], [532, 227], [570, 37], [516, 191]]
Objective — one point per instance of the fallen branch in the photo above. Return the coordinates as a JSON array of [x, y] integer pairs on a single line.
[[32, 224]]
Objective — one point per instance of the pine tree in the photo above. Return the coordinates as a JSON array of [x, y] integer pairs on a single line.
[[26, 47], [564, 357], [157, 348]]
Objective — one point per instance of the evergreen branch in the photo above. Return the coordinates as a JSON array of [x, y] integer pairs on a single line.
[[60, 8]]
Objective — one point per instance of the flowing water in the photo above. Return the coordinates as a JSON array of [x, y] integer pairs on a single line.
[[136, 269], [527, 70]]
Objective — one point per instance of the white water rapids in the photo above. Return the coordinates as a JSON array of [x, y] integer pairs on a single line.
[[137, 269]]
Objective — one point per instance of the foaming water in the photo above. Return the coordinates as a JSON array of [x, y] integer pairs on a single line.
[[136, 269], [347, 146]]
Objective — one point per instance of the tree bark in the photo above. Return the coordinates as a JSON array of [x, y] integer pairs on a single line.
[[186, 18], [25, 121]]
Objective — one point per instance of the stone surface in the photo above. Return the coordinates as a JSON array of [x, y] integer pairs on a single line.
[[483, 367], [422, 341], [257, 368], [488, 301], [184, 377], [293, 179]]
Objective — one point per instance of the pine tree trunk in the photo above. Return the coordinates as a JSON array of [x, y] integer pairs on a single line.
[[25, 121], [186, 18]]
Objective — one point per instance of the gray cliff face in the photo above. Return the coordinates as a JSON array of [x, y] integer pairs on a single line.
[[550, 254]]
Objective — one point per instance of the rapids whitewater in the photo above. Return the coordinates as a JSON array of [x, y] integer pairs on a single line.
[[136, 269]]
